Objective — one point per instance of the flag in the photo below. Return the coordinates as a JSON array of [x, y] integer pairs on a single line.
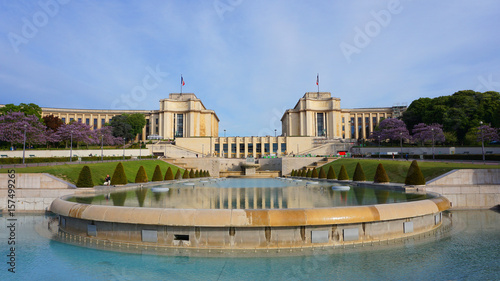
[[317, 80], [182, 81]]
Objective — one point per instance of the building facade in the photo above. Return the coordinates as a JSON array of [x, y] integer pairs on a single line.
[[318, 114], [180, 115]]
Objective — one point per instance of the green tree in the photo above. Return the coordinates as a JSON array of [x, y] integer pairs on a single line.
[[196, 174], [331, 174], [414, 175], [141, 175], [191, 174], [186, 174], [359, 174], [380, 175], [309, 173], [178, 174], [85, 178], [157, 175], [119, 176], [27, 109], [322, 174], [314, 173], [137, 121], [121, 127], [169, 175], [343, 174]]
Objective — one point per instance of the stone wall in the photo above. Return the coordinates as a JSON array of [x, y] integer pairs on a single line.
[[34, 192], [469, 188]]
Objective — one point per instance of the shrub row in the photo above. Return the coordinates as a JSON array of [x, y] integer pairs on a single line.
[[18, 160], [413, 177]]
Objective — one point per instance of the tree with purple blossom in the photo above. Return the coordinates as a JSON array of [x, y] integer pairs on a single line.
[[78, 132], [423, 133], [392, 129], [106, 135], [14, 124], [487, 133]]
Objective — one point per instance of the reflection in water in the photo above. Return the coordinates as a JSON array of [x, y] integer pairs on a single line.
[[232, 194]]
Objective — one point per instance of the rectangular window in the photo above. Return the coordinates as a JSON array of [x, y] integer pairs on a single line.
[[103, 121], [283, 147], [95, 123], [242, 148], [79, 120], [250, 148], [343, 120], [320, 122], [71, 119], [374, 120], [266, 148], [156, 121], [63, 120], [224, 147], [87, 121], [233, 148], [275, 147], [259, 148], [217, 148], [179, 129]]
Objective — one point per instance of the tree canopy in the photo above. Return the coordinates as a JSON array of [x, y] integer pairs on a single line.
[[458, 113], [27, 109], [128, 125]]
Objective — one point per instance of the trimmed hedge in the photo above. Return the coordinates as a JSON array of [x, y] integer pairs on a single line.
[[308, 173], [178, 174], [85, 178], [141, 175], [186, 174], [343, 174], [169, 175], [191, 174], [157, 175], [380, 175], [359, 174], [119, 177], [331, 174], [314, 173], [196, 174], [414, 175], [29, 160]]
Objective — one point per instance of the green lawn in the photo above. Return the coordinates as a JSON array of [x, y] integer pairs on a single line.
[[99, 171], [396, 170]]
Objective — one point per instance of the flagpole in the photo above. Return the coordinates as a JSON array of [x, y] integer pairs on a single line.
[[181, 84], [317, 80]]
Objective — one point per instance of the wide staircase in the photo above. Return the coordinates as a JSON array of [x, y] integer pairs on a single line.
[[320, 163]]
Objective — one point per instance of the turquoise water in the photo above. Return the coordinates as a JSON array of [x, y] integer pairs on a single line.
[[247, 194], [469, 251]]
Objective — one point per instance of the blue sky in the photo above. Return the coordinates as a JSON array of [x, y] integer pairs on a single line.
[[247, 60]]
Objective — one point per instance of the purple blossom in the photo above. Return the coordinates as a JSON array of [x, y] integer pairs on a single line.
[[14, 124], [80, 132], [487, 133], [391, 128], [106, 133], [423, 132]]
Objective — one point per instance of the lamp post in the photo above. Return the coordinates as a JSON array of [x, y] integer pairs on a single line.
[[71, 146], [401, 142], [102, 146], [482, 139], [274, 132], [432, 130], [24, 141], [123, 148], [378, 147], [224, 132], [140, 147]]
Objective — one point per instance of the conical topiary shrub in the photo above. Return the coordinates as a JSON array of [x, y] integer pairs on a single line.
[[186, 174], [331, 174], [141, 175], [85, 178], [304, 173], [196, 174], [380, 175], [359, 174], [178, 174], [322, 174], [314, 173], [169, 175], [119, 177], [343, 174], [308, 173], [292, 173], [208, 174], [191, 174], [414, 176], [157, 175]]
